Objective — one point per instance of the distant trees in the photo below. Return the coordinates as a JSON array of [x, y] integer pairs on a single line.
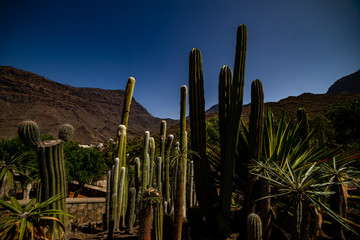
[[84, 165]]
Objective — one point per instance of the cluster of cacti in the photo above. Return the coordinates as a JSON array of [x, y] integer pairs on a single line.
[[165, 174], [51, 161], [230, 108]]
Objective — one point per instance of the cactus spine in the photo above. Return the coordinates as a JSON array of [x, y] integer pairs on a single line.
[[206, 194], [179, 197], [254, 231]]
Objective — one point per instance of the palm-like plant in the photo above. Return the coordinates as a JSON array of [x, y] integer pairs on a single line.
[[299, 192], [340, 172], [9, 165], [33, 221]]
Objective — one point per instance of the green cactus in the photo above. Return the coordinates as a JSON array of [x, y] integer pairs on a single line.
[[127, 101], [152, 162], [121, 210], [169, 142], [114, 221], [108, 200], [66, 131], [146, 162], [206, 194], [233, 116], [179, 197], [254, 231], [132, 205], [52, 165], [256, 127], [137, 174], [258, 188], [158, 173], [29, 133]]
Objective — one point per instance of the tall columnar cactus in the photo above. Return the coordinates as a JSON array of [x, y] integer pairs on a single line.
[[138, 181], [132, 206], [179, 197], [114, 221], [146, 162], [150, 196], [52, 165], [256, 125], [169, 143], [127, 101], [162, 144], [121, 210], [261, 187], [152, 161], [159, 173], [108, 201], [206, 193], [233, 116], [254, 230]]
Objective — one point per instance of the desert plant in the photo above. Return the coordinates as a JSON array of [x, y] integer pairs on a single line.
[[179, 196], [254, 228], [149, 197], [341, 173], [300, 191], [34, 221]]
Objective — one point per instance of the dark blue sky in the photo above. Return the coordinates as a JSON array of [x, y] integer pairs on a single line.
[[293, 46]]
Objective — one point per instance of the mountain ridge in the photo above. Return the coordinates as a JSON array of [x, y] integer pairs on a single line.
[[95, 113]]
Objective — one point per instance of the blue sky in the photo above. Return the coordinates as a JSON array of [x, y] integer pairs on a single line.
[[294, 46]]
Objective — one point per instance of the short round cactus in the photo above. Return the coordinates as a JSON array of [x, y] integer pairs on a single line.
[[66, 131], [29, 133]]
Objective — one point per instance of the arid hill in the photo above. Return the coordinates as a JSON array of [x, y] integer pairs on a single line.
[[347, 84], [94, 113]]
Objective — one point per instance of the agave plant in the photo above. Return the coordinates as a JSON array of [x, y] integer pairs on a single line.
[[8, 166], [32, 221], [299, 192], [341, 173]]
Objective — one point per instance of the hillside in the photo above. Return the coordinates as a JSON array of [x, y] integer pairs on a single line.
[[94, 113], [347, 84]]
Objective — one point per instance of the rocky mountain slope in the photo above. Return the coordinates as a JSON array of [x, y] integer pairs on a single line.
[[94, 113], [346, 88], [347, 84]]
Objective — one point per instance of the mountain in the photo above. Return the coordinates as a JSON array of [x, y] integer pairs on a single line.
[[347, 84], [346, 88], [94, 113]]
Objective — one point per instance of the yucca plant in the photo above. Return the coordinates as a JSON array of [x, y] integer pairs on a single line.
[[32, 221], [299, 193], [340, 172], [8, 166]]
